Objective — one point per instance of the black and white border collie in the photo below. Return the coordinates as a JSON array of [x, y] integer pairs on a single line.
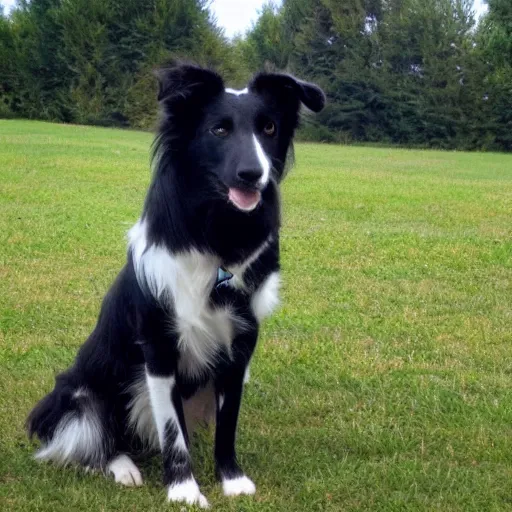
[[171, 332]]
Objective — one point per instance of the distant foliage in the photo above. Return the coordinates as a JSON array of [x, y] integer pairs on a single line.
[[91, 61], [495, 46], [409, 72]]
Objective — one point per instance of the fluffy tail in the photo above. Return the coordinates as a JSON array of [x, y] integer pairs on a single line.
[[70, 424]]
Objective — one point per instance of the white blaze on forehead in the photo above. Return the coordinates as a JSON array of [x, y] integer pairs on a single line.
[[237, 92], [263, 160], [262, 157]]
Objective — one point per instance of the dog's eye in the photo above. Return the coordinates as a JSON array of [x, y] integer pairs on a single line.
[[220, 131], [269, 129]]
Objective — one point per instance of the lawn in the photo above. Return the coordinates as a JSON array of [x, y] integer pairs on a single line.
[[383, 382]]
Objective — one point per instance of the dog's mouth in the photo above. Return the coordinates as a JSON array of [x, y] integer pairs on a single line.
[[245, 200]]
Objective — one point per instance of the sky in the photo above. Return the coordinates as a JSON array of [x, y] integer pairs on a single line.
[[237, 16]]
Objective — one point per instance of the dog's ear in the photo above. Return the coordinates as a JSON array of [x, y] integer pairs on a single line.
[[289, 89], [183, 83]]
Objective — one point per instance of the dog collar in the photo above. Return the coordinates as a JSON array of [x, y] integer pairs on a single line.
[[223, 276]]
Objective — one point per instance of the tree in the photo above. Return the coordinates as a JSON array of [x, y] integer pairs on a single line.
[[92, 61], [7, 67], [412, 72], [495, 46], [394, 70], [266, 43]]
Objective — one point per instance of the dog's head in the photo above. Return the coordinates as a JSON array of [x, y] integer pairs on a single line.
[[237, 138]]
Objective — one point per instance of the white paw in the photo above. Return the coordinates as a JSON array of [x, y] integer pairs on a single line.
[[125, 471], [238, 486], [187, 491]]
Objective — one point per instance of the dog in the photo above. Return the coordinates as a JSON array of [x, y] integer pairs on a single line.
[[180, 323]]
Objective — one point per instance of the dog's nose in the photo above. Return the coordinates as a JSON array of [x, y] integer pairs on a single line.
[[250, 176]]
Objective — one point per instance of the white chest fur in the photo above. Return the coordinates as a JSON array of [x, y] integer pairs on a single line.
[[184, 281], [202, 328]]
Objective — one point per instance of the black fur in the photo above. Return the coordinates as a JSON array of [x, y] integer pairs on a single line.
[[203, 151]]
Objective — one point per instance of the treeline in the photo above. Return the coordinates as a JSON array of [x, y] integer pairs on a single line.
[[411, 72], [92, 61]]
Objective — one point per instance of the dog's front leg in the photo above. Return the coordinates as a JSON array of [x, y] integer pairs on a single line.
[[168, 415], [229, 389]]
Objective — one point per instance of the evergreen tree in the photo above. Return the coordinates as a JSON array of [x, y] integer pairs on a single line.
[[92, 61], [7, 67], [412, 72], [266, 43], [495, 45]]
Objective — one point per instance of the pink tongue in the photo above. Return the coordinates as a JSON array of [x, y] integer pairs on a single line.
[[244, 199]]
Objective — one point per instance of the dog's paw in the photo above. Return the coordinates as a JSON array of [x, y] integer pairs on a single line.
[[125, 471], [188, 492], [238, 486]]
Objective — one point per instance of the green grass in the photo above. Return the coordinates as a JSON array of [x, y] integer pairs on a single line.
[[384, 381]]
